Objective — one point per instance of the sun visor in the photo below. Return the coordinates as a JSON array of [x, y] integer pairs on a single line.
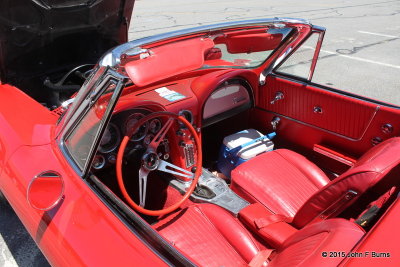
[[249, 43], [168, 60]]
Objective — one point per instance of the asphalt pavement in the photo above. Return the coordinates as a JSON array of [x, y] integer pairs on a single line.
[[360, 54]]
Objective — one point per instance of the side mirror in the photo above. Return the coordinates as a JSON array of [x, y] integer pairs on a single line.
[[45, 190]]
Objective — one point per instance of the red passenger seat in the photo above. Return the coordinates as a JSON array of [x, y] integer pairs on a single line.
[[287, 183], [211, 236]]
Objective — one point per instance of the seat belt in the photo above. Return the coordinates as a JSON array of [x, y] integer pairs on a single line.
[[374, 208]]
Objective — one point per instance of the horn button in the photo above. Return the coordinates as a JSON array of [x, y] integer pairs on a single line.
[[150, 161]]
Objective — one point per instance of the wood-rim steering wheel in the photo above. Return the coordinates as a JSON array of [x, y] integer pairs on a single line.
[[151, 161]]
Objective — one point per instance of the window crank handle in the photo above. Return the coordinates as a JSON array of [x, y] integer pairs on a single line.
[[278, 96]]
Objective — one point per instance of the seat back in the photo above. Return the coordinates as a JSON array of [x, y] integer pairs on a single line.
[[338, 194]]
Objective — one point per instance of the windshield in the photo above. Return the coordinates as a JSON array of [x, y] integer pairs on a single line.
[[244, 49]]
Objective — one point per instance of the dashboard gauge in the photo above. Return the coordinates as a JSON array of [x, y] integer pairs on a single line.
[[155, 125], [131, 122], [148, 139], [111, 139], [98, 162]]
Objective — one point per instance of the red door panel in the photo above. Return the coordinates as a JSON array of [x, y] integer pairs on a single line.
[[346, 124], [339, 114]]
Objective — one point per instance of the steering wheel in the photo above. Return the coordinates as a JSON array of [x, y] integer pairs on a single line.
[[151, 161]]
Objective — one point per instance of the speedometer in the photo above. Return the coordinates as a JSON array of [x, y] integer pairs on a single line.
[[132, 120], [110, 139]]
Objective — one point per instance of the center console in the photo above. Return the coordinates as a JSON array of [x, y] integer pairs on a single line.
[[212, 189]]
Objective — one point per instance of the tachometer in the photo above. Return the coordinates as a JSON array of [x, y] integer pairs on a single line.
[[111, 139], [139, 133]]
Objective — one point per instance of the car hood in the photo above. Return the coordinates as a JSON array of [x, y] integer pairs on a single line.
[[42, 36]]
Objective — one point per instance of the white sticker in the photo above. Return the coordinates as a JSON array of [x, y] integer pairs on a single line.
[[168, 94]]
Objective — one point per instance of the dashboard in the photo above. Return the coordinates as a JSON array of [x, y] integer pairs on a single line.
[[201, 104]]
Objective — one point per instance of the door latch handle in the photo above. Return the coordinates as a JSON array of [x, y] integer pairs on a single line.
[[278, 96], [275, 121]]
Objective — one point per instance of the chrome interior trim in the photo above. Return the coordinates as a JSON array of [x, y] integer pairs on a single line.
[[334, 90], [325, 130], [333, 156], [224, 196], [167, 167]]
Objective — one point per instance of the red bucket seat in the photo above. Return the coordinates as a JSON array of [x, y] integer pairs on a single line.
[[287, 183], [211, 236]]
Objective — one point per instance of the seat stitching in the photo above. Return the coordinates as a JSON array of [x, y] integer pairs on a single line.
[[294, 165], [219, 233]]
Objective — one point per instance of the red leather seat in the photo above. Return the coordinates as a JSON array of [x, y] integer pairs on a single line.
[[210, 236], [287, 183]]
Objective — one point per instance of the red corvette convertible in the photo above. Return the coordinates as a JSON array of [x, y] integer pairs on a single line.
[[209, 146]]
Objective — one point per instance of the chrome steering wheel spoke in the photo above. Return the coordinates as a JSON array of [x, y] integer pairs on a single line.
[[167, 167], [143, 173]]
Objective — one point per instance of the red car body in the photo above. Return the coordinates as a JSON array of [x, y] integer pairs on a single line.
[[83, 228]]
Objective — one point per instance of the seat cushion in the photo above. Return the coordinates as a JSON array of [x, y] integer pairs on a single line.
[[281, 180], [308, 245], [210, 236]]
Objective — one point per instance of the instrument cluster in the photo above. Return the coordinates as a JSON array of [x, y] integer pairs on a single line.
[[121, 125]]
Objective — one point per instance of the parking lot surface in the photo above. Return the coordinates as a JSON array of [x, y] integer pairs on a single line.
[[360, 54]]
